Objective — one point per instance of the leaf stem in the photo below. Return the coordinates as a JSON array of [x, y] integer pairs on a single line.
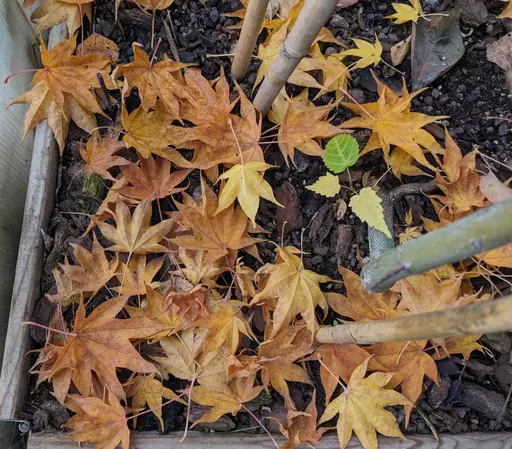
[[332, 374], [19, 72], [51, 329], [261, 424]]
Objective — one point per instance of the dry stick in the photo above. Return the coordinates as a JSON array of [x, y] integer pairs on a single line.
[[482, 231], [250, 30], [170, 37], [313, 16], [482, 318]]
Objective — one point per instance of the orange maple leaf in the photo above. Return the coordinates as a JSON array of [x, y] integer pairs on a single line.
[[100, 343], [97, 421], [99, 155], [147, 390], [217, 234], [296, 290], [62, 90], [410, 363], [52, 12], [358, 304], [94, 269], [278, 356], [133, 233], [152, 180], [154, 80], [461, 183], [393, 123], [138, 276]]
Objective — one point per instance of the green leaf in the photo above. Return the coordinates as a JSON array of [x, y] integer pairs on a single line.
[[328, 185], [341, 152], [366, 205]]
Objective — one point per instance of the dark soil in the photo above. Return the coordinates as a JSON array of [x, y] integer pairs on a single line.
[[471, 394]]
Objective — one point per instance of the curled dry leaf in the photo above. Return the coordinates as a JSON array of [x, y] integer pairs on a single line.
[[52, 12], [493, 189], [97, 44]]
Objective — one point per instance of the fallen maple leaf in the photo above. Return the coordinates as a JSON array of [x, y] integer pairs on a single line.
[[100, 343], [185, 360], [246, 184], [366, 205], [392, 123], [97, 44], [361, 408], [68, 290], [62, 90], [154, 80], [152, 180], [147, 390], [197, 270], [367, 53], [99, 155], [301, 428], [300, 126], [335, 74], [406, 13], [52, 12], [410, 363], [278, 356], [97, 421], [150, 132], [93, 271], [461, 183], [133, 234], [340, 361], [360, 305], [225, 323], [216, 233], [138, 275], [159, 311], [296, 289]]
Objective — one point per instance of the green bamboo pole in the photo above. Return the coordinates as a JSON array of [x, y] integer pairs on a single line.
[[482, 231], [481, 318]]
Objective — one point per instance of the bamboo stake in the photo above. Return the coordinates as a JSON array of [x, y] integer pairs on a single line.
[[250, 30], [312, 18], [482, 231], [484, 317]]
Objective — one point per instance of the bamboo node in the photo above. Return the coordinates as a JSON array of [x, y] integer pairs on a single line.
[[292, 54]]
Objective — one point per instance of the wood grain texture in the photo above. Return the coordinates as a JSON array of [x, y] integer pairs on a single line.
[[38, 209], [196, 440], [16, 53]]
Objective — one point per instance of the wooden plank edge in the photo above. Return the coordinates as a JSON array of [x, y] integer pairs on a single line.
[[197, 440], [38, 208]]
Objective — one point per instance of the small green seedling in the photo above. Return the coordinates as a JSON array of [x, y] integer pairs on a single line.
[[341, 152]]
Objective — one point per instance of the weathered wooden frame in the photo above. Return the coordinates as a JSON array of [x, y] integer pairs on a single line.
[[14, 379]]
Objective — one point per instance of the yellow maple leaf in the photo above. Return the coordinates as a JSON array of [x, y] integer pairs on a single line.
[[148, 390], [367, 53], [246, 184], [296, 289], [366, 205], [392, 122], [327, 185], [406, 13], [361, 408]]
